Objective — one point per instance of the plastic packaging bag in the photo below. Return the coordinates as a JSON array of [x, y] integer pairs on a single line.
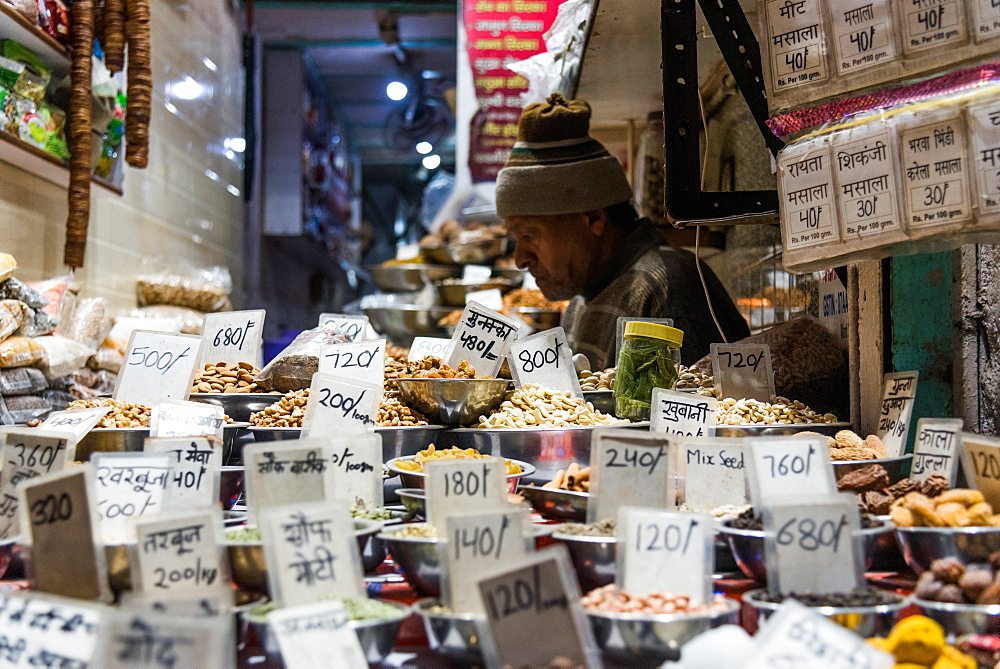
[[37, 323], [19, 352], [58, 400], [107, 358], [174, 282], [7, 266], [191, 320], [14, 289], [88, 323], [27, 407], [21, 381], [61, 355], [12, 313], [294, 367], [54, 290]]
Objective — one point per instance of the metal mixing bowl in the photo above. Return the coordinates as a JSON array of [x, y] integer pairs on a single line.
[[740, 431], [898, 468], [452, 294], [396, 441], [410, 277], [414, 500], [402, 323], [865, 621], [454, 636], [567, 506], [452, 401], [923, 545], [511, 274], [131, 440], [593, 559], [540, 319], [419, 560], [478, 252], [962, 619], [238, 406], [603, 400], [413, 479]]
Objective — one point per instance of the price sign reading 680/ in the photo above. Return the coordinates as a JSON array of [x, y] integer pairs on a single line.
[[232, 336]]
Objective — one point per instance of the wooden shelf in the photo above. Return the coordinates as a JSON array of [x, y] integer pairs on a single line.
[[43, 164], [16, 26]]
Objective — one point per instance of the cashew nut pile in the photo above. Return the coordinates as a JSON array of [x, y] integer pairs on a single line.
[[535, 406], [123, 414], [286, 412], [597, 380], [393, 413], [754, 412]]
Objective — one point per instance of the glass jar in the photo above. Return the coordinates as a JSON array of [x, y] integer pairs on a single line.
[[648, 359]]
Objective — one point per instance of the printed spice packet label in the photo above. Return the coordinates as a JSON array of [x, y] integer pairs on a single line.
[[862, 34], [985, 121], [808, 213], [865, 164], [935, 174], [798, 43], [928, 24]]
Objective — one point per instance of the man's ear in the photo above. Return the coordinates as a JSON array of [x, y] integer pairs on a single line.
[[597, 219]]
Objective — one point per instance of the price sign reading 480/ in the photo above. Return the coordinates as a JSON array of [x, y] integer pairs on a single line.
[[232, 336], [481, 338]]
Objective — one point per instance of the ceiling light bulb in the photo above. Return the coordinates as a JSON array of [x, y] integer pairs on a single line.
[[423, 148], [431, 162], [396, 90]]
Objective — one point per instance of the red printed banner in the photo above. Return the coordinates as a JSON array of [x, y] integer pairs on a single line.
[[499, 32]]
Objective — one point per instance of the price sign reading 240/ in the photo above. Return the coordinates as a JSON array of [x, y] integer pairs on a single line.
[[629, 468], [233, 336]]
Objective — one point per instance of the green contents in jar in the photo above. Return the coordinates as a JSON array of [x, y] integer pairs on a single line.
[[648, 359]]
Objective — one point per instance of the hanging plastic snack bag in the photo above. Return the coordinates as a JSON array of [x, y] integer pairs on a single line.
[[27, 407], [174, 282], [19, 352], [294, 367], [88, 322], [12, 313], [37, 323], [7, 266], [54, 290], [191, 320]]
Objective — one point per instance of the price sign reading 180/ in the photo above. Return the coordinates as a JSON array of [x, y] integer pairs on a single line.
[[465, 485]]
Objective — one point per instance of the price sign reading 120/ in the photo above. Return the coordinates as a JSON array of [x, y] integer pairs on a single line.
[[982, 465]]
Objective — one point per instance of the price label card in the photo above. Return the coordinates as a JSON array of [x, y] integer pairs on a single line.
[[805, 187], [27, 454], [358, 361], [929, 25], [340, 406], [533, 614], [60, 524], [987, 19], [476, 273], [288, 472], [196, 463], [898, 392], [862, 35], [317, 636], [135, 639], [482, 338], [424, 346], [982, 464], [934, 451], [628, 468], [352, 326], [356, 465], [798, 43], [743, 371], [682, 414], [932, 150], [810, 544], [46, 631], [984, 120], [78, 422], [232, 337], [158, 367], [797, 636], [665, 551], [129, 485], [781, 466], [475, 484], [311, 553], [713, 472], [180, 556], [491, 298], [546, 359], [186, 419], [865, 165]]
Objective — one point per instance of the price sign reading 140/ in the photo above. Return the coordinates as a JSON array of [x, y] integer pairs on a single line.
[[477, 542], [780, 466], [157, 367], [232, 336], [743, 371]]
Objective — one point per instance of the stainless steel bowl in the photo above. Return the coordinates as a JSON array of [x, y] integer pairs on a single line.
[[748, 548], [410, 277], [231, 485], [418, 559], [478, 252], [603, 400], [866, 621], [401, 324], [638, 639], [962, 619], [131, 440], [567, 506], [898, 468], [778, 430], [923, 545], [412, 479], [511, 274], [452, 294], [452, 401], [238, 406], [414, 500], [593, 559], [540, 319], [454, 636], [406, 440]]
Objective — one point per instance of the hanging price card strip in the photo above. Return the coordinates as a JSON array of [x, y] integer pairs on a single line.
[[546, 359], [984, 119], [362, 361], [713, 472], [77, 422], [232, 337], [424, 346], [936, 182], [196, 463], [798, 43], [356, 465], [60, 524], [186, 419], [475, 543], [665, 551], [682, 414], [352, 326], [781, 466], [339, 406], [311, 553], [533, 614], [865, 165], [481, 338], [981, 459], [806, 193], [862, 34], [810, 544], [129, 485], [934, 450], [291, 472], [927, 25], [134, 639], [27, 454], [46, 631], [897, 404], [743, 371], [317, 636], [474, 484], [158, 367], [627, 468]]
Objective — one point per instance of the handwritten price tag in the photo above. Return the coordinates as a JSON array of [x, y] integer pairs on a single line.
[[232, 337], [546, 359], [186, 419], [289, 472], [356, 464], [810, 544], [196, 463], [60, 524], [628, 468], [135, 639], [665, 551], [27, 454], [476, 274], [714, 472], [478, 484], [340, 406], [42, 630], [311, 553], [158, 367], [424, 346], [482, 338], [743, 371], [77, 422], [489, 298], [129, 485], [897, 405], [317, 636], [934, 451], [358, 361], [981, 457], [682, 414], [352, 326], [781, 466]]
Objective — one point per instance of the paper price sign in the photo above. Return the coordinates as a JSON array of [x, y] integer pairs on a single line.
[[424, 346], [533, 614], [179, 556], [628, 468], [358, 361], [46, 631], [158, 367], [356, 465], [934, 451], [491, 298], [982, 464], [135, 639], [546, 359], [810, 544], [470, 484], [476, 273], [477, 542], [682, 414], [780, 466], [481, 338], [340, 406], [743, 371], [291, 472], [232, 336], [194, 476], [665, 551], [27, 454], [186, 419], [77, 422], [129, 485], [311, 553], [897, 404], [352, 326], [713, 471], [60, 524], [317, 636]]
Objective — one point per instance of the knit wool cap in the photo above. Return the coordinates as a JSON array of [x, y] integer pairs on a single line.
[[556, 167]]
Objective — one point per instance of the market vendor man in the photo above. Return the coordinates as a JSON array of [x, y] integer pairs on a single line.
[[567, 205]]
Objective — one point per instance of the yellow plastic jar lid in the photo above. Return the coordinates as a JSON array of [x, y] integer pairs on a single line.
[[672, 336]]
